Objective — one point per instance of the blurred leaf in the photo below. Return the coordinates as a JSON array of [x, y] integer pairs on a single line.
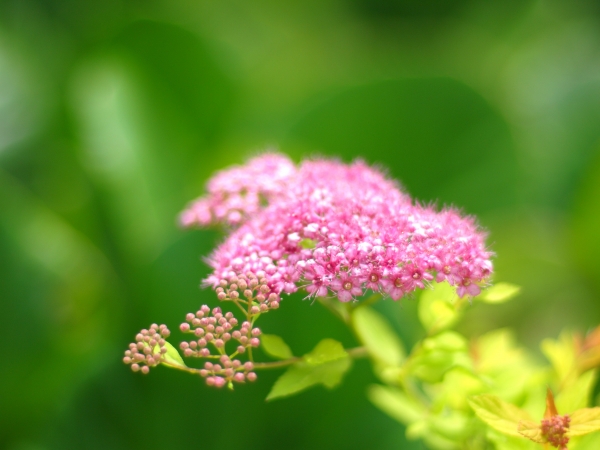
[[454, 425], [437, 355], [423, 430], [457, 385], [375, 333], [576, 395], [561, 354], [107, 103], [438, 308], [588, 350], [396, 404], [326, 364], [503, 442], [584, 421], [275, 346], [498, 414], [499, 293], [497, 358], [496, 350], [403, 123], [172, 357], [448, 340]]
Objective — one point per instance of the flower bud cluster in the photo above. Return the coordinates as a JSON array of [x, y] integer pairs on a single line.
[[249, 288], [554, 430], [148, 349], [212, 332], [228, 371]]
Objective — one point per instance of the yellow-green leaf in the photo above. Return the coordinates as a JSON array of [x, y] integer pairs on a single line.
[[396, 404], [584, 421], [531, 430], [327, 350], [438, 308], [561, 354], [498, 414], [499, 293], [577, 394], [377, 335], [275, 346], [326, 364]]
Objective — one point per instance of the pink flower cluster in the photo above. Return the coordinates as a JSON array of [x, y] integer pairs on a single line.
[[334, 228]]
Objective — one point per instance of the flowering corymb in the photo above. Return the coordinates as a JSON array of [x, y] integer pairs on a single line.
[[333, 229], [328, 228]]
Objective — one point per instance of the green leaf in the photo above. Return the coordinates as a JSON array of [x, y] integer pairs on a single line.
[[172, 358], [499, 293], [396, 404], [325, 364], [437, 308], [327, 350], [375, 333], [275, 346], [498, 414], [584, 421]]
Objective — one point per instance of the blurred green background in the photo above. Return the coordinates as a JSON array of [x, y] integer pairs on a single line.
[[113, 114]]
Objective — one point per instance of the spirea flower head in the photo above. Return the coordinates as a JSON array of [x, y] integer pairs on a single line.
[[332, 229]]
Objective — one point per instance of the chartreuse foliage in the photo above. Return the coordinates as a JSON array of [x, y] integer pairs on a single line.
[[453, 393]]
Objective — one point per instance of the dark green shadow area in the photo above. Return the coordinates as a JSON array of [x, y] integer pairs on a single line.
[[440, 138]]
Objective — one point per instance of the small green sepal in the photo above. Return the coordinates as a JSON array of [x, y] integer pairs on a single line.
[[172, 358]]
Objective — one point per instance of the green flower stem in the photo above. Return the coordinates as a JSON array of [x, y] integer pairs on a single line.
[[237, 303]]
